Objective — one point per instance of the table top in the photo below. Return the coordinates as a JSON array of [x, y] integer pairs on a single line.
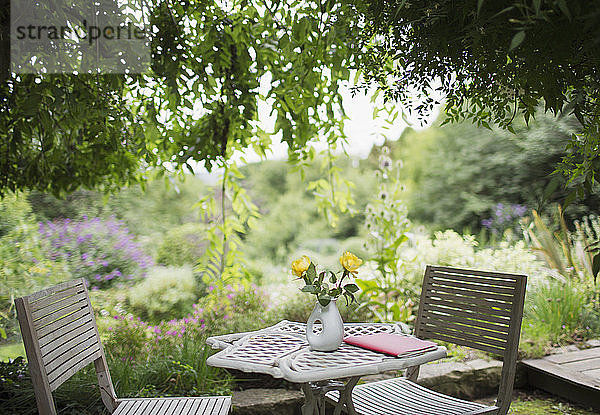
[[283, 352]]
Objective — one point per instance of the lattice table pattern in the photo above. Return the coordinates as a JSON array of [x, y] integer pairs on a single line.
[[265, 348], [283, 352]]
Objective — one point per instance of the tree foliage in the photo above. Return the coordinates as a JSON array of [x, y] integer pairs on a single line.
[[464, 172], [491, 60], [198, 103]]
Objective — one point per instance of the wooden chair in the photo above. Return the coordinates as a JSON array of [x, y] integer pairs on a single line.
[[61, 337], [477, 309]]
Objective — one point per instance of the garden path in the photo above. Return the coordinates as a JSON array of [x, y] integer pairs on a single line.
[[573, 375]]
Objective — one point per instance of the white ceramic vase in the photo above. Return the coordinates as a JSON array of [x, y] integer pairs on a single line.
[[332, 333]]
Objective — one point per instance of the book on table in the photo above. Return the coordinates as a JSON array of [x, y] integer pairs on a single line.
[[399, 345]]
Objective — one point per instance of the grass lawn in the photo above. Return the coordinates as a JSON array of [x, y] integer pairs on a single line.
[[536, 402], [541, 406], [12, 350]]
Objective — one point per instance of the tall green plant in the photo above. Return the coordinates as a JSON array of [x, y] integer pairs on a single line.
[[387, 225], [229, 214], [557, 307], [570, 254], [588, 237], [332, 194]]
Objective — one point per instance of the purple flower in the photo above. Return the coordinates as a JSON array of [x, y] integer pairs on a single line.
[[519, 210], [487, 223]]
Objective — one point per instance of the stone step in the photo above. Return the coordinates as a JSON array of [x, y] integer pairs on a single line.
[[267, 402], [469, 380]]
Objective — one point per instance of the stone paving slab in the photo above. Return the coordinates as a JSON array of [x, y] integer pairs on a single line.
[[469, 380], [267, 401]]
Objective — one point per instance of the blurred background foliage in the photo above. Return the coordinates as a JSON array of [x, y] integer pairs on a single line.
[[457, 174]]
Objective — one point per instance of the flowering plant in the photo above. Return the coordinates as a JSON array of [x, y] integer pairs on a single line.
[[102, 251], [331, 289], [505, 217]]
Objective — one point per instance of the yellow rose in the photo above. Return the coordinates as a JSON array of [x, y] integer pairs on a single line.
[[300, 265], [350, 262]]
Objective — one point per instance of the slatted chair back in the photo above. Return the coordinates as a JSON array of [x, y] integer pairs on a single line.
[[477, 309], [60, 337]]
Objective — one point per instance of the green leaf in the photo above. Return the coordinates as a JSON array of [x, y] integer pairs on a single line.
[[351, 288], [352, 298], [311, 272], [479, 4], [596, 267], [551, 187], [517, 40], [569, 199], [332, 277], [366, 284], [536, 6], [324, 300], [309, 289], [562, 5]]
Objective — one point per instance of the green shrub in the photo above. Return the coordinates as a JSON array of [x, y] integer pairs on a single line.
[[232, 308], [14, 210], [285, 227], [299, 307], [170, 369], [79, 395], [24, 270], [165, 293], [557, 306], [590, 319], [183, 245], [102, 251], [451, 249], [386, 294], [536, 339], [170, 357]]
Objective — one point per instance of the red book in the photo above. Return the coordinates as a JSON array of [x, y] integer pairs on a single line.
[[398, 345]]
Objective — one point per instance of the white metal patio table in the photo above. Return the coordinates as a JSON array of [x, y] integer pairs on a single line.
[[283, 352]]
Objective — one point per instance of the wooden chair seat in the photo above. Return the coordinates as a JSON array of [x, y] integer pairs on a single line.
[[402, 397], [218, 405]]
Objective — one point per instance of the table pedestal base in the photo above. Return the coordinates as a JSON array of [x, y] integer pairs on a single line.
[[314, 396]]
